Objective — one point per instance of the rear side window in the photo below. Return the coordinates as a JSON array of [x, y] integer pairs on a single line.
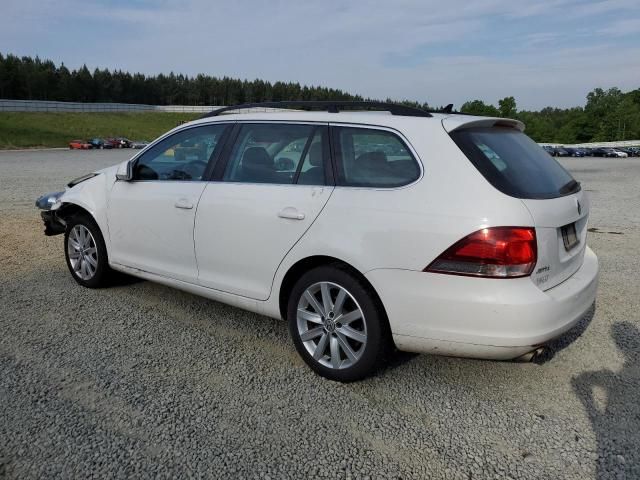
[[278, 153], [373, 158], [514, 164]]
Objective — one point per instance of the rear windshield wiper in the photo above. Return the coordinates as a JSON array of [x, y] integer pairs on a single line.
[[571, 186]]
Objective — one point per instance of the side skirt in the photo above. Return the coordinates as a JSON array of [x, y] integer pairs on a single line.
[[244, 303]]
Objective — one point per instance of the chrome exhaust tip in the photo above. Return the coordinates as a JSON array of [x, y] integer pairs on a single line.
[[530, 356]]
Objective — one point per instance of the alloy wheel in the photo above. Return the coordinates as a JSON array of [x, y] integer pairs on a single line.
[[83, 253], [331, 325]]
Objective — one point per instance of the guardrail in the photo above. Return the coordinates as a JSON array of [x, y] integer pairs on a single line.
[[64, 107]]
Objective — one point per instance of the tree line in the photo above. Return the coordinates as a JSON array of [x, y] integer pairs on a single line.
[[608, 115], [26, 78]]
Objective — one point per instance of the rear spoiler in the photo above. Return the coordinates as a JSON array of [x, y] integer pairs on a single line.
[[460, 122]]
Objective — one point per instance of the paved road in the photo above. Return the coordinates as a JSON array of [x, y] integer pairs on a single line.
[[141, 380]]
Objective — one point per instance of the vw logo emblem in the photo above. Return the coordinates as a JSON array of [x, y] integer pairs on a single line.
[[329, 325]]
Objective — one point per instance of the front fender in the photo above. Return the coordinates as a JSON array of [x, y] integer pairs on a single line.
[[91, 196]]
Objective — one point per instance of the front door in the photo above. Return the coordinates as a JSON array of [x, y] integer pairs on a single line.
[[151, 218]]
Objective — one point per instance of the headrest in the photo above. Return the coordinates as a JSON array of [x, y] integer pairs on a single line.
[[315, 154], [375, 159], [256, 157]]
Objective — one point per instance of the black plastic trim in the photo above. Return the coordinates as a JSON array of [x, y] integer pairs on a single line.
[[216, 155], [81, 179], [52, 225], [305, 151], [221, 165], [328, 106]]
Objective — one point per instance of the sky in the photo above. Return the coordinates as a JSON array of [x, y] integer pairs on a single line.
[[542, 52]]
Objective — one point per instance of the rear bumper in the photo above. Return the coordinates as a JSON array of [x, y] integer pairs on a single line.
[[484, 318]]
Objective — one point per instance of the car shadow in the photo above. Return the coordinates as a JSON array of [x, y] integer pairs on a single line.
[[555, 346], [120, 279], [395, 359], [611, 401]]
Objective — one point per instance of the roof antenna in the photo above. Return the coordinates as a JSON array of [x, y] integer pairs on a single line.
[[448, 108]]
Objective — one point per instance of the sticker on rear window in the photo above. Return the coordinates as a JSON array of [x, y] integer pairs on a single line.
[[493, 157]]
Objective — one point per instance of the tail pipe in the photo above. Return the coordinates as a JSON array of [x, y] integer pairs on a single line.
[[530, 356]]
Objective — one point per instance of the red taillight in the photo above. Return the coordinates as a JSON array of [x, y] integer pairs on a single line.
[[496, 252]]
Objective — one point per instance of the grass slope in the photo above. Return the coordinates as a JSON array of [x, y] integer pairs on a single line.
[[23, 130]]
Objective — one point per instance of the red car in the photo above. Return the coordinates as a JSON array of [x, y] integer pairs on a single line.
[[79, 145]]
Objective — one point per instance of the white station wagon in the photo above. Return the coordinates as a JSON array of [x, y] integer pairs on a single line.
[[434, 232]]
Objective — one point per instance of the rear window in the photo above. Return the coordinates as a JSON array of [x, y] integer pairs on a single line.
[[514, 164]]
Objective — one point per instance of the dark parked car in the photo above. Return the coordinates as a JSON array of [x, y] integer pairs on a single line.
[[606, 152], [119, 142], [99, 143], [560, 152], [575, 152], [124, 142]]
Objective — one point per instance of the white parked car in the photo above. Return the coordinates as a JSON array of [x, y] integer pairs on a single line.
[[437, 233]]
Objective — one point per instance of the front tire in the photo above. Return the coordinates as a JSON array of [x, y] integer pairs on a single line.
[[337, 324], [85, 252]]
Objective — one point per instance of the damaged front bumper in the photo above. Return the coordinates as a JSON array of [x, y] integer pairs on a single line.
[[48, 204]]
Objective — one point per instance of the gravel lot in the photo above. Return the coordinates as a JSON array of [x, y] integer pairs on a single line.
[[142, 380]]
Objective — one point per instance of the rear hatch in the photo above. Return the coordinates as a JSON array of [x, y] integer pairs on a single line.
[[520, 168], [561, 230]]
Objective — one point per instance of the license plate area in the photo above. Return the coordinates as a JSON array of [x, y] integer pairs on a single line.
[[569, 236]]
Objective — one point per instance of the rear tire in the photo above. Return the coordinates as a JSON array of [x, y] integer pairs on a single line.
[[86, 253], [336, 324]]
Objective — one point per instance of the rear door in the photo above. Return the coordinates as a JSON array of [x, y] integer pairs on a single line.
[[275, 182], [518, 167]]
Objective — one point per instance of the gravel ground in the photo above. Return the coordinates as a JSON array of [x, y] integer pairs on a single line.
[[142, 380]]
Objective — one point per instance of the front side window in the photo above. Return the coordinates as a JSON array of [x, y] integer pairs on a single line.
[[182, 156], [278, 153], [373, 158]]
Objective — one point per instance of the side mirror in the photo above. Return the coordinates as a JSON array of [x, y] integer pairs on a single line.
[[125, 172]]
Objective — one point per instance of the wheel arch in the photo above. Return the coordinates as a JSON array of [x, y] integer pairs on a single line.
[[308, 263], [73, 207], [68, 209]]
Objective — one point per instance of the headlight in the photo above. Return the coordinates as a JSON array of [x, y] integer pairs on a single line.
[[46, 202]]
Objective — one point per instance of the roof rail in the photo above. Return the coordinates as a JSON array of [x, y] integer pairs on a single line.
[[331, 106]]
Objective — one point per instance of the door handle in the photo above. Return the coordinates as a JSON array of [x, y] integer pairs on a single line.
[[184, 204], [291, 213]]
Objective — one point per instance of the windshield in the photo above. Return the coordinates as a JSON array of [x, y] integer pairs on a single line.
[[514, 164]]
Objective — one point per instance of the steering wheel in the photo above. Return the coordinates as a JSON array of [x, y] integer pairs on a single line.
[[195, 168]]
